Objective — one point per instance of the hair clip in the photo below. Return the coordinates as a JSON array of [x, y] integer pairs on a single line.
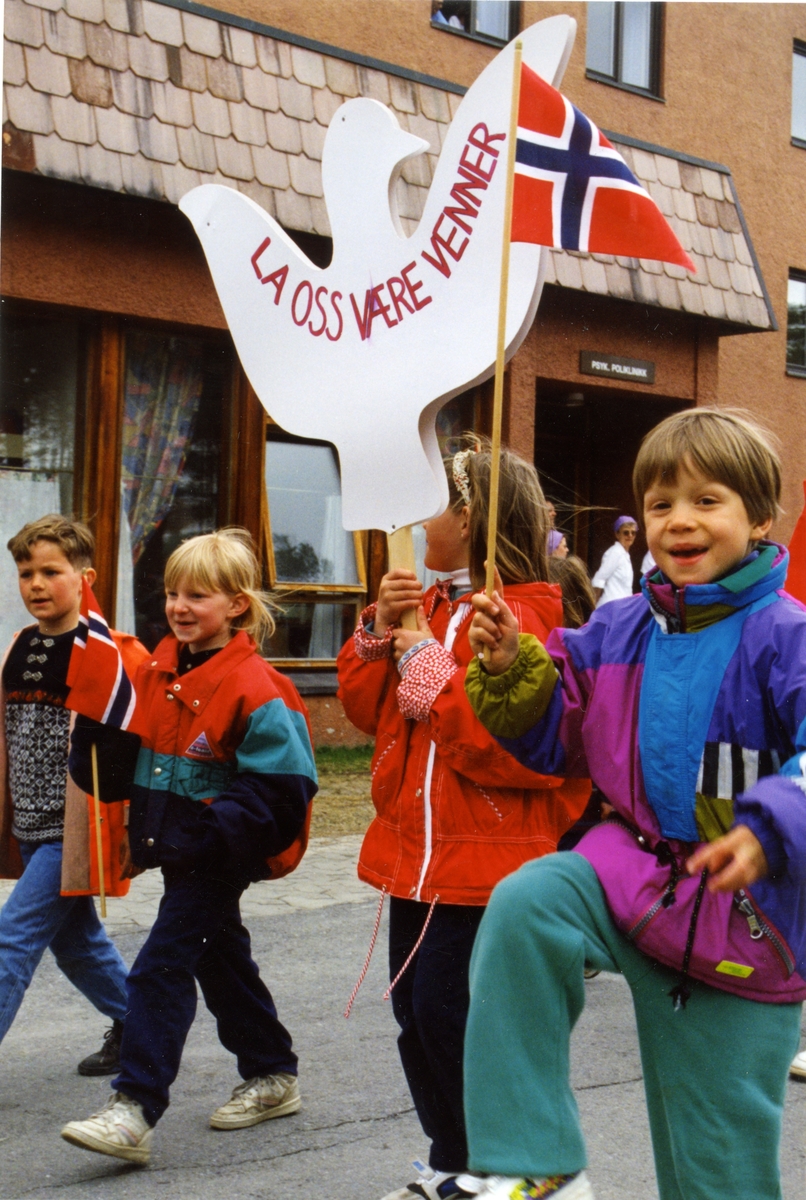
[[460, 475]]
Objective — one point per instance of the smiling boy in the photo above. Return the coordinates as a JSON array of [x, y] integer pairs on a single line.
[[44, 839], [681, 703]]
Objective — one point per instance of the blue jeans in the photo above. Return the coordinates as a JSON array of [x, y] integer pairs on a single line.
[[36, 916]]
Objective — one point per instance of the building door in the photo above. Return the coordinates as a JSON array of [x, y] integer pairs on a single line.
[[585, 447]]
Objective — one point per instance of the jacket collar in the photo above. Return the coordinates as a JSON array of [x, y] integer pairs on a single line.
[[197, 686], [697, 605]]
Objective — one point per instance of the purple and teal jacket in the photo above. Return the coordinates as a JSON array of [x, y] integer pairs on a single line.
[[687, 707]]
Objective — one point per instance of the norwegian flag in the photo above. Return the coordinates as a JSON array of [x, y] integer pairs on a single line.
[[574, 191], [99, 686]]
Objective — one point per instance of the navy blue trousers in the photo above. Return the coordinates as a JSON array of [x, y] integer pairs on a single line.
[[198, 935], [430, 1004]]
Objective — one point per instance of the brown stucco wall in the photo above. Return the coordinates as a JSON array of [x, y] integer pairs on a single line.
[[394, 31], [86, 248], [683, 349], [330, 726]]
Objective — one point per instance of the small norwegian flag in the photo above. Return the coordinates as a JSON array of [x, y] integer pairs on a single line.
[[99, 686], [574, 191]]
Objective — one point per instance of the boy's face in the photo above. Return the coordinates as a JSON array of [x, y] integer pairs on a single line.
[[50, 587], [697, 530]]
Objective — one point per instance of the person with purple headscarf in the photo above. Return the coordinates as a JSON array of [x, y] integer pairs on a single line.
[[557, 545], [614, 579]]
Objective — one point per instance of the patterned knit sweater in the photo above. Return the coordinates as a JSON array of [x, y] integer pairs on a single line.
[[38, 733]]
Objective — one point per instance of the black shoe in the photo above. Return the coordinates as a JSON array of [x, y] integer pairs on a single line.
[[105, 1061]]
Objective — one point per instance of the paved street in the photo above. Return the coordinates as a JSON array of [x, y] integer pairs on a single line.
[[357, 1133]]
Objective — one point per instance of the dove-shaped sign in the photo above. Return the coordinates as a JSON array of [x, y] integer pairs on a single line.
[[364, 352]]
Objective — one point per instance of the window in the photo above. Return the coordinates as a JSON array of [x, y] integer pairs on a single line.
[[315, 565], [624, 45], [796, 324], [486, 20], [173, 399], [799, 94], [39, 412]]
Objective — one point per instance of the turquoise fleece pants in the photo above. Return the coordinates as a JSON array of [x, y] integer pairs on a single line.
[[714, 1073]]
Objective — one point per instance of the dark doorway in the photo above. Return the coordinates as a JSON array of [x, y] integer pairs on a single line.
[[586, 440]]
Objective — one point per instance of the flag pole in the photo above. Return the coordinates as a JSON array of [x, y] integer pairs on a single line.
[[498, 393], [98, 838]]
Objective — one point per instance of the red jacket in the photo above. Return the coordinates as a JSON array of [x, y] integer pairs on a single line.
[[221, 771], [455, 812], [80, 856]]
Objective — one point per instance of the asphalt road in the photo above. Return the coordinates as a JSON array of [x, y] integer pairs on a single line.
[[356, 1134]]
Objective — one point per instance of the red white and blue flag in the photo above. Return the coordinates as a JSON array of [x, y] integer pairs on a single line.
[[574, 191], [99, 686]]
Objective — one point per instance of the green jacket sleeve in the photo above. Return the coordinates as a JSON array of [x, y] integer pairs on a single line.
[[510, 704]]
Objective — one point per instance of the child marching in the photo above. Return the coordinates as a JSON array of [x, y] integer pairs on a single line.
[[221, 776], [682, 703], [455, 813], [47, 841]]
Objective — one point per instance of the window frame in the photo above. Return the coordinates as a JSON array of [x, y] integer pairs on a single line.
[[485, 38], [657, 30], [795, 370], [301, 592], [798, 51]]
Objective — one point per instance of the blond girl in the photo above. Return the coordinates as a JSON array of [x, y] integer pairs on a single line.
[[220, 780]]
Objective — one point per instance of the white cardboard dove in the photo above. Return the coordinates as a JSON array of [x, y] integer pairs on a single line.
[[365, 352]]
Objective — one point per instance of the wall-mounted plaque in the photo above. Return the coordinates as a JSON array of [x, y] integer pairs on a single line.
[[636, 370]]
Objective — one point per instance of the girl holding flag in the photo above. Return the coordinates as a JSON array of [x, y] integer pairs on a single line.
[[45, 827]]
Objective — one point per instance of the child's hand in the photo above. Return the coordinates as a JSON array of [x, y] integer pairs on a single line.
[[734, 861], [127, 868], [494, 630], [404, 639], [400, 590]]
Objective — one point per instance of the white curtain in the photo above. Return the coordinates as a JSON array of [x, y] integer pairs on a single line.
[[24, 496]]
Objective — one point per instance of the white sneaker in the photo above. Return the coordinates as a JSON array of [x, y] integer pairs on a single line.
[[437, 1185], [257, 1100], [119, 1129], [557, 1187], [798, 1065]]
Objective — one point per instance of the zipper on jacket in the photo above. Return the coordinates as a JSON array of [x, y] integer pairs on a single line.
[[455, 621], [759, 928], [643, 921], [427, 817]]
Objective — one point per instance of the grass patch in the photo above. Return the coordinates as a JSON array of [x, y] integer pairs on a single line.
[[344, 760], [343, 804]]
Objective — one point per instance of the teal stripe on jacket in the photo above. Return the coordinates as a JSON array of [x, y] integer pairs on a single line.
[[276, 742], [182, 776]]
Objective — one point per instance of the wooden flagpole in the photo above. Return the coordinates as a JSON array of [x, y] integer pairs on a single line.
[[98, 839], [498, 393]]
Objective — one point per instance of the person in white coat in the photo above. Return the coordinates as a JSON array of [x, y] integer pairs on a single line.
[[614, 579]]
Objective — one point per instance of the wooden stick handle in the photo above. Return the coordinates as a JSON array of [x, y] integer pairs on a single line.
[[401, 554], [98, 839], [498, 392]]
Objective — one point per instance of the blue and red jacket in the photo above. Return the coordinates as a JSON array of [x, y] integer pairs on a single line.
[[224, 772], [687, 707]]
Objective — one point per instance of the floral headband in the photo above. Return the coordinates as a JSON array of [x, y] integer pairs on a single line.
[[460, 475]]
